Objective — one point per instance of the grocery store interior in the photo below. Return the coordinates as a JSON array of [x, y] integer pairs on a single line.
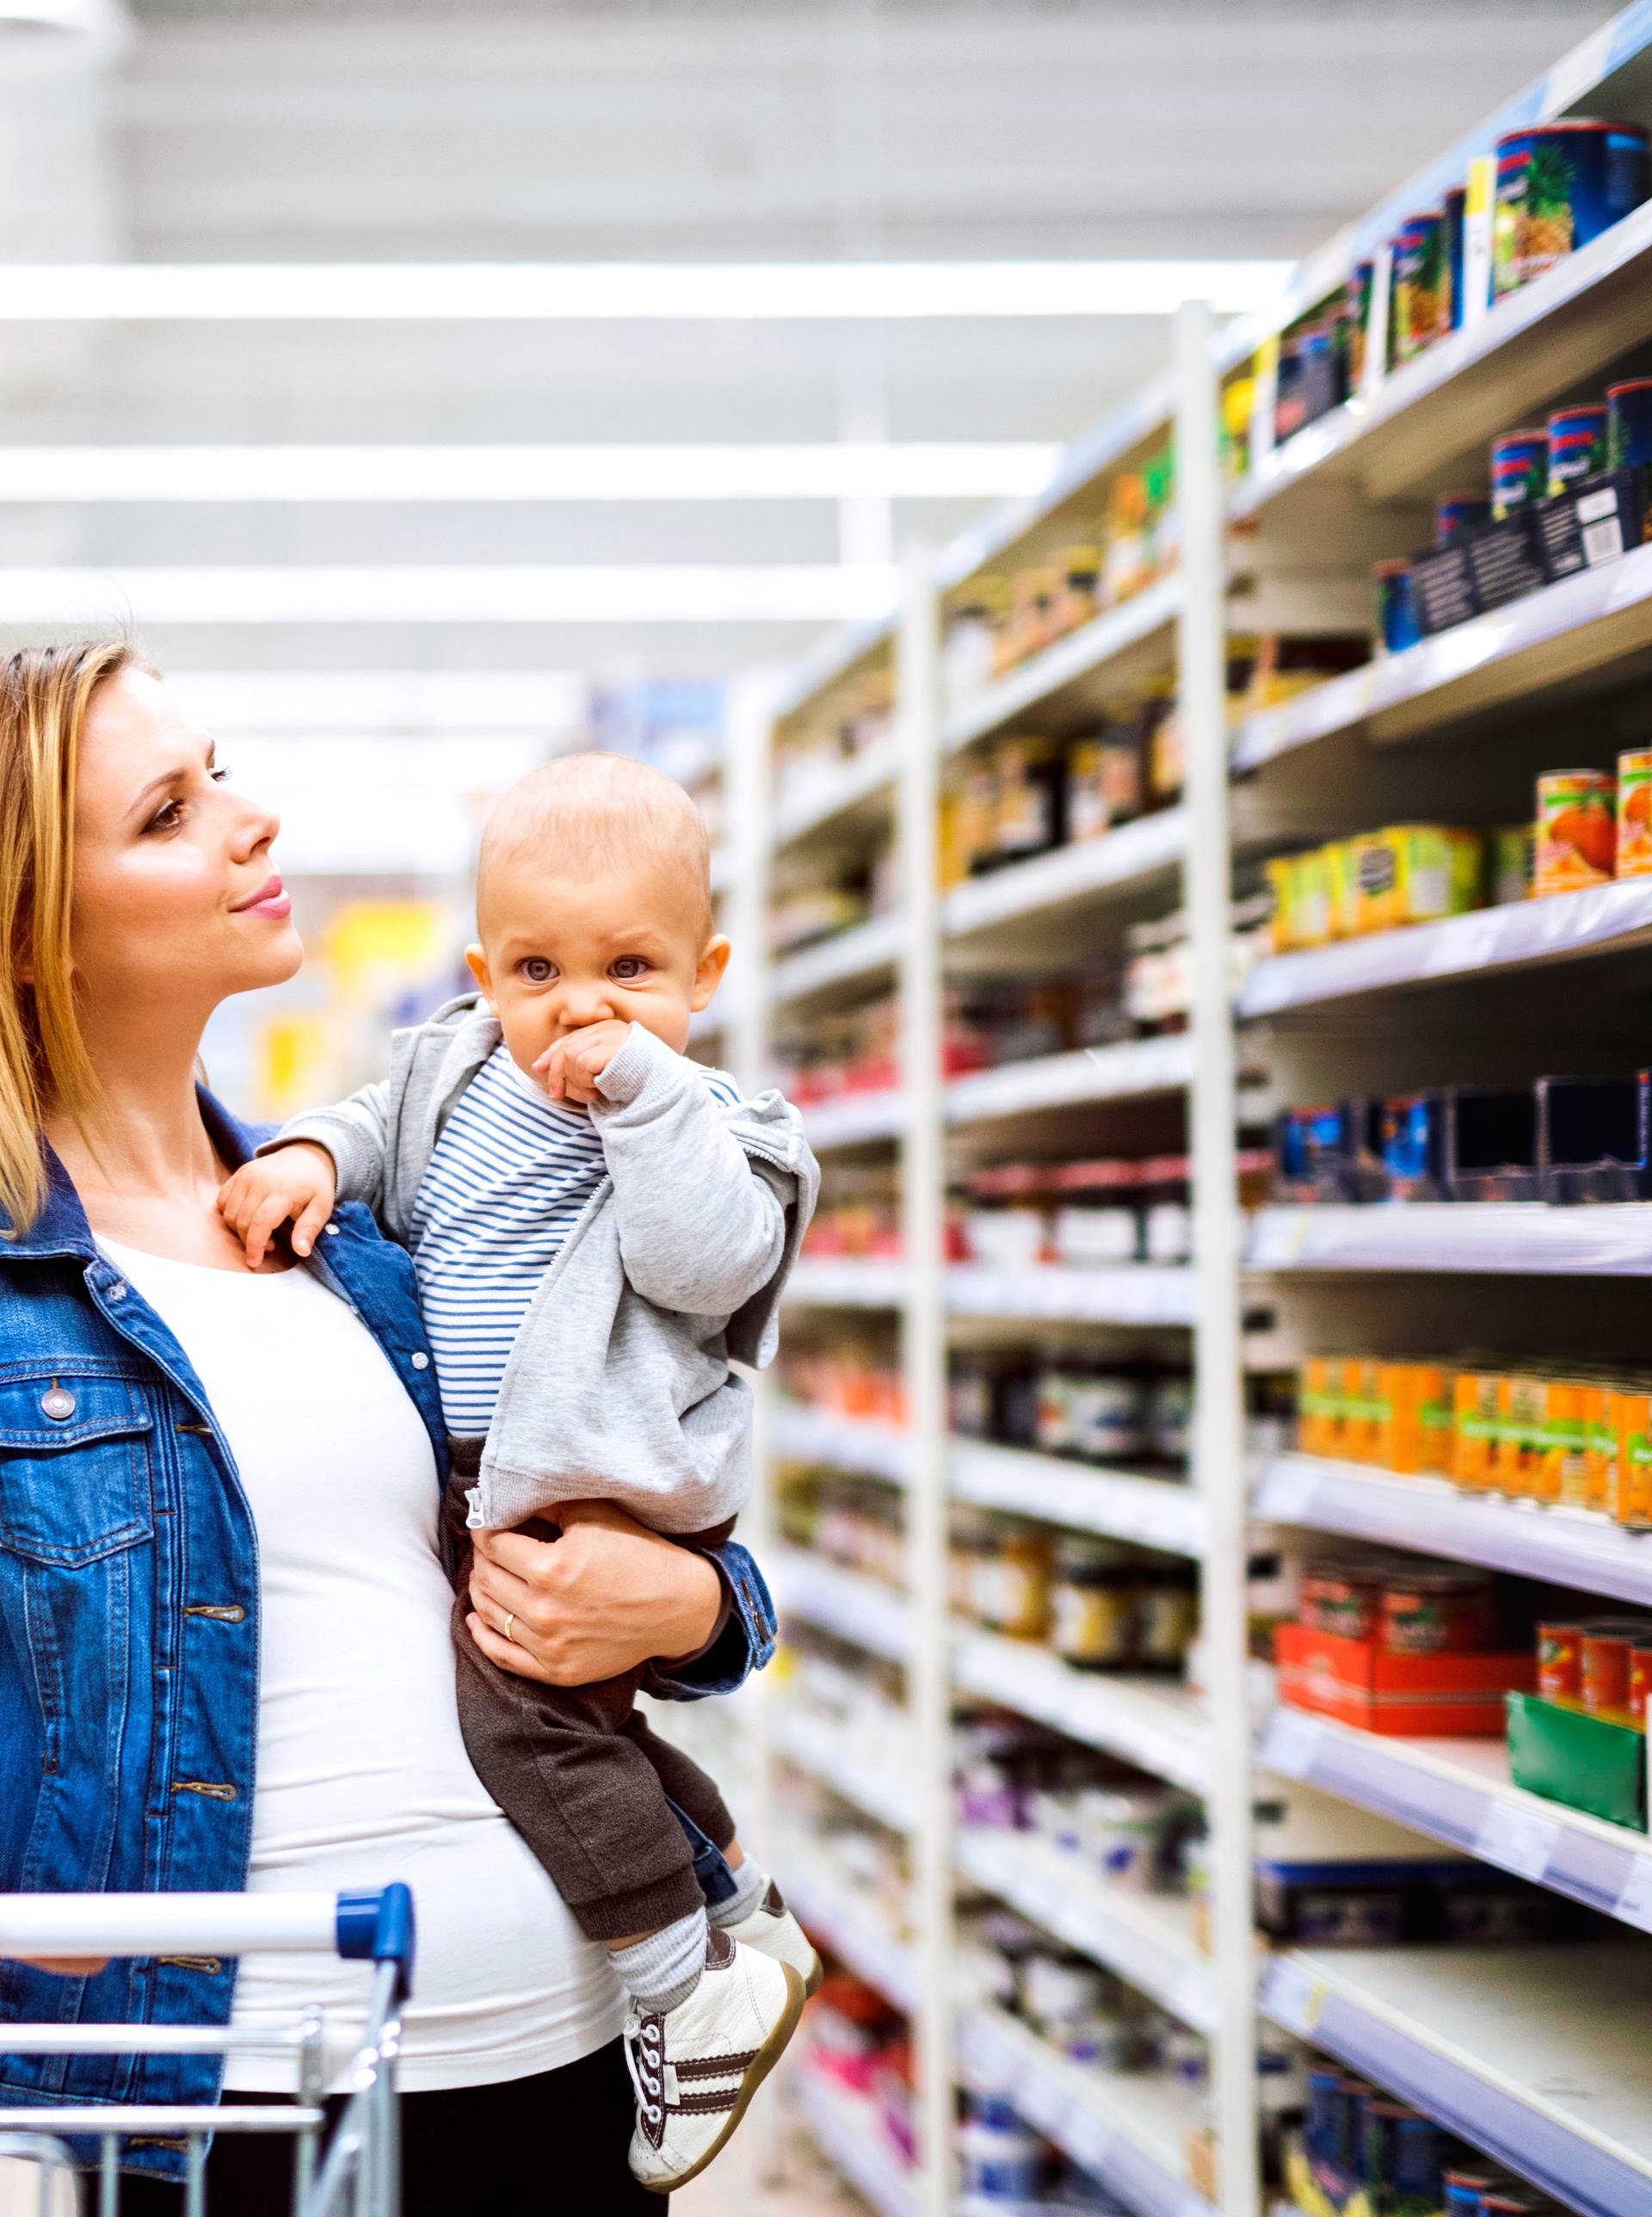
[[1132, 519]]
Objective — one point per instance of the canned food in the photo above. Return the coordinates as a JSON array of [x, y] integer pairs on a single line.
[[1457, 512], [1403, 2152], [1419, 284], [1474, 1430], [1560, 1664], [1559, 185], [1634, 857], [1415, 1426], [1092, 1604], [1437, 1612], [1396, 606], [1577, 445], [1629, 424], [1607, 1649], [1640, 1685], [1519, 471], [1563, 1469], [1356, 311], [1510, 857], [1340, 1602], [1517, 1453], [1452, 301], [1631, 1470], [1576, 833]]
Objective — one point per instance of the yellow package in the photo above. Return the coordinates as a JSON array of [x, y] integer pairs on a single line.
[[1281, 886], [1416, 1431], [1415, 874], [1474, 1429], [1337, 868]]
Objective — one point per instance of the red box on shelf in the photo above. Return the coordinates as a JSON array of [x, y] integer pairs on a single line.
[[1403, 1696]]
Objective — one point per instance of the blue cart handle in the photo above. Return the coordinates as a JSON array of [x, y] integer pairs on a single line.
[[378, 1928]]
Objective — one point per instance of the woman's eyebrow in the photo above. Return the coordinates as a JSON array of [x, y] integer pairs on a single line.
[[170, 777]]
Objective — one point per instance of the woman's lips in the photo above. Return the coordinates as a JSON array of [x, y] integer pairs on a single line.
[[272, 899]]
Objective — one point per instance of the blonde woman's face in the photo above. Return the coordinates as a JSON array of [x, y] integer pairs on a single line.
[[177, 901]]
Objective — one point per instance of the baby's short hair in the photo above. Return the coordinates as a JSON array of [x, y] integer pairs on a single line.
[[595, 812]]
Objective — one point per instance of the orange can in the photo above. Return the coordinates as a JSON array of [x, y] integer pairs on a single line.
[[1319, 1405], [1635, 813], [1607, 1649], [1576, 831], [1631, 1500], [1640, 1686], [1560, 1663], [1517, 1448], [1601, 1453], [1362, 1419], [1414, 1428], [1563, 1455], [1474, 1429]]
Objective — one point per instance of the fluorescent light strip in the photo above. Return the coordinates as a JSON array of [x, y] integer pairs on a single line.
[[786, 292], [770, 593], [821, 472], [435, 700]]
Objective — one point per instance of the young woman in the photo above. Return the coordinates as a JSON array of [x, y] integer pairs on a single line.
[[224, 1657]]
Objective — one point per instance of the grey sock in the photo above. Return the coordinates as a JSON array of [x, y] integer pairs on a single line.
[[662, 1970], [750, 1885]]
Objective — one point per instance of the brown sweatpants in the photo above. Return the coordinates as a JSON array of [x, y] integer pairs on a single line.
[[577, 1770]]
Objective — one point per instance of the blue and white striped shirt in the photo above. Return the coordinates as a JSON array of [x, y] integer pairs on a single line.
[[500, 1194]]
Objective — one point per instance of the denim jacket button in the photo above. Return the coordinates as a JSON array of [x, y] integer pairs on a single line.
[[421, 1361], [331, 1230], [57, 1404]]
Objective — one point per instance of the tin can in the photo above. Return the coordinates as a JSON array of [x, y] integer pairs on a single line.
[[1559, 185], [1577, 445], [1452, 209], [1474, 1429], [1519, 471], [1396, 605], [1509, 860], [1414, 1435], [1419, 284], [1517, 1451], [1607, 1649], [1564, 1469], [1560, 1664], [1640, 1685], [1635, 813], [1576, 831], [1631, 1500], [1437, 1612], [1356, 315], [1457, 512], [1629, 424], [1340, 1603]]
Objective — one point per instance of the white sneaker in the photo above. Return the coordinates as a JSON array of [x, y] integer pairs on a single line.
[[696, 2067], [773, 1930]]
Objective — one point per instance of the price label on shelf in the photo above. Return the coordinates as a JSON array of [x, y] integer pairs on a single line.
[[1515, 1839], [1294, 1997], [1289, 1743], [1635, 1901]]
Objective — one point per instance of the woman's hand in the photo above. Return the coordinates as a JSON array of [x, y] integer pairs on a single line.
[[607, 1597]]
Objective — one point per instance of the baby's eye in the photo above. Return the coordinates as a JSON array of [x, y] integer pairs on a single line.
[[629, 968], [538, 969]]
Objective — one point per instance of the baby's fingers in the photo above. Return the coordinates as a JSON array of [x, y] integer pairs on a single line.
[[271, 1210], [307, 1224]]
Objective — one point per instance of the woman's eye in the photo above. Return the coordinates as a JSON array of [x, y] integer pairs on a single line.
[[629, 968], [167, 818], [537, 970]]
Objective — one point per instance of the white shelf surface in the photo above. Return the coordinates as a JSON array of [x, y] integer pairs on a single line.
[[1069, 877], [829, 1753], [1518, 935], [813, 800], [1148, 1939], [850, 1120], [1132, 1293], [845, 2127], [838, 1918], [857, 1444], [1459, 1792], [1152, 1721], [1152, 1512], [1538, 2056], [863, 952], [1526, 1238], [1129, 642], [1567, 1547], [1567, 631], [1132, 1069], [1129, 2130], [841, 1602], [852, 1281]]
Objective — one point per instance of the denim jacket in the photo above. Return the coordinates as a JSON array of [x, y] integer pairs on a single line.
[[129, 1624]]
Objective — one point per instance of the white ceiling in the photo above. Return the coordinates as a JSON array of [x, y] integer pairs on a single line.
[[337, 130]]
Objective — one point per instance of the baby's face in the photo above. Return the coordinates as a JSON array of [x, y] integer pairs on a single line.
[[560, 952]]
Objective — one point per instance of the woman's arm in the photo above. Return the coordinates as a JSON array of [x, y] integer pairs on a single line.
[[609, 1597]]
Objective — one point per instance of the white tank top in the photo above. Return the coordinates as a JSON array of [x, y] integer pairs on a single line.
[[362, 1774]]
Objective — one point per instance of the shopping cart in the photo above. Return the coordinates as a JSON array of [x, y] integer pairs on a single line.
[[357, 2173]]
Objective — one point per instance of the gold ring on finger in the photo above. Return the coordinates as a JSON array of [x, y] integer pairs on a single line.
[[511, 1619]]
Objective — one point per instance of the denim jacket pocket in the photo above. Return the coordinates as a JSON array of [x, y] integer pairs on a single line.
[[74, 1472]]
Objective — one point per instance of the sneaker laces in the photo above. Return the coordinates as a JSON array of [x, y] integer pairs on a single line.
[[650, 2097]]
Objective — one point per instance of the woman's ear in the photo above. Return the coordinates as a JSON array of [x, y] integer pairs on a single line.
[[477, 962], [708, 972]]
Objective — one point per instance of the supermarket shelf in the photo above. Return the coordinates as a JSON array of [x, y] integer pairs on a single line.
[[1459, 1792], [849, 957], [1129, 2130], [1559, 639], [856, 1444], [832, 660], [1056, 1292], [1567, 1547], [844, 2125], [1153, 1512], [839, 1920], [1068, 877], [814, 800], [839, 1601], [1520, 935], [1130, 1070], [831, 1754], [1148, 1939], [1525, 1238], [850, 1120], [1552, 334], [1129, 642], [850, 1281], [1536, 2055], [1152, 1721]]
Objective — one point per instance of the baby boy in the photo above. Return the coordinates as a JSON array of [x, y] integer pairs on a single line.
[[599, 1228]]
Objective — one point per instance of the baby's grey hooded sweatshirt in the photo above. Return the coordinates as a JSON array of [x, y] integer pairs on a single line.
[[619, 1387]]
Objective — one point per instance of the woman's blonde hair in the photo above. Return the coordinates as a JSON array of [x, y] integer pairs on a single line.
[[45, 692]]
